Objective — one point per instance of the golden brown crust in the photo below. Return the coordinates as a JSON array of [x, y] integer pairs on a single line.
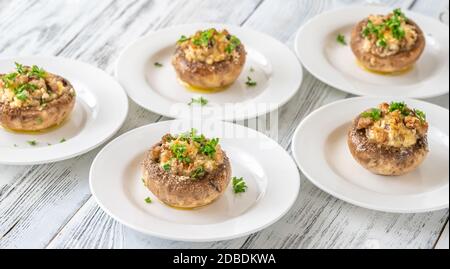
[[391, 64], [209, 76], [185, 192], [38, 118], [385, 160]]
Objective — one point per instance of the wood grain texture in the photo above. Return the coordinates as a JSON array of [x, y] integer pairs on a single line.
[[51, 206]]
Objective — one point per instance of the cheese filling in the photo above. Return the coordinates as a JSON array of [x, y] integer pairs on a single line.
[[210, 46]]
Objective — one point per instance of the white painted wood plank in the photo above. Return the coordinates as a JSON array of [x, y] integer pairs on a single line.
[[443, 240], [315, 217]]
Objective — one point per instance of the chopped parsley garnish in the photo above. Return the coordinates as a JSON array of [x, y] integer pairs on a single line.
[[182, 39], [374, 114], [234, 43], [148, 200], [341, 39], [209, 147], [32, 143], [420, 115], [400, 106], [250, 82], [394, 23], [180, 152], [166, 167], [200, 101], [19, 68], [205, 38], [38, 72], [239, 185], [158, 64], [198, 173], [62, 140]]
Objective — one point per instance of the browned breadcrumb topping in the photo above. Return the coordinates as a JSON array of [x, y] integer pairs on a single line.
[[188, 155], [210, 46], [387, 35], [32, 87], [394, 125]]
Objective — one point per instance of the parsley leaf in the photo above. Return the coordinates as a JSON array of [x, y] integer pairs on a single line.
[[198, 173], [180, 152], [200, 101], [20, 69], [239, 185], [183, 39], [38, 72], [250, 82], [148, 200], [209, 148], [166, 167], [420, 115], [158, 64], [341, 40], [234, 43], [374, 114], [400, 106], [205, 38], [32, 143]]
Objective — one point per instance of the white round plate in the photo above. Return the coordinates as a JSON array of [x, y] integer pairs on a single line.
[[100, 110], [335, 64], [272, 186], [275, 68], [320, 148]]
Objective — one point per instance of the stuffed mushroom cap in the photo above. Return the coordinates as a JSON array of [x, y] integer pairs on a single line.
[[390, 140], [187, 171], [209, 59], [32, 99], [388, 44]]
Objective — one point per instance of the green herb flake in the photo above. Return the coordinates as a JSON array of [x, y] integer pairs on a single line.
[[39, 120], [209, 148], [400, 106], [32, 143], [239, 185], [38, 72], [148, 200], [234, 43], [62, 140], [20, 69], [374, 114], [198, 173], [159, 65], [250, 82], [200, 101], [183, 39], [341, 40], [421, 115], [167, 167], [205, 38]]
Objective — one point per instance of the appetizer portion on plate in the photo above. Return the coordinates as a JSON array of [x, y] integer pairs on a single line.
[[32, 99], [390, 140], [209, 60], [388, 43], [187, 171]]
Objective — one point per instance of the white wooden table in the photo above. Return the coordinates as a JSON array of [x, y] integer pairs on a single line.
[[50, 206]]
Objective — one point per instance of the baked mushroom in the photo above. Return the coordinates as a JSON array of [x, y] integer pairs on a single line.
[[209, 59], [390, 140], [388, 44], [187, 171], [32, 99]]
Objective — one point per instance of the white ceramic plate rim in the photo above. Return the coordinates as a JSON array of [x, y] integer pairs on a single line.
[[339, 81], [65, 151], [294, 67], [325, 188], [187, 238]]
